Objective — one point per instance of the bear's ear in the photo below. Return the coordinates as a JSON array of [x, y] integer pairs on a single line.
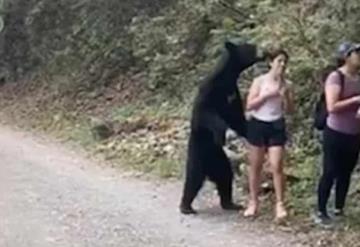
[[230, 46]]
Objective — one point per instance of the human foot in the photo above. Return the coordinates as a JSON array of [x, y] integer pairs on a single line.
[[280, 211], [251, 210]]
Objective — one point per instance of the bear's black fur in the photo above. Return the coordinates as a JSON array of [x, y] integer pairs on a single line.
[[217, 106]]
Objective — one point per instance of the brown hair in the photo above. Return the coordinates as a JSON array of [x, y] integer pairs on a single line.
[[275, 52], [340, 62]]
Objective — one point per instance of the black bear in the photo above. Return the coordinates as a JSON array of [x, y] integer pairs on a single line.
[[217, 106]]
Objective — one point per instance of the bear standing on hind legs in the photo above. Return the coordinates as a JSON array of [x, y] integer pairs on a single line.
[[217, 106]]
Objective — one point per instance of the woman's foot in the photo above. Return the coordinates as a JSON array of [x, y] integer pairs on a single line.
[[251, 210], [280, 211], [338, 215], [323, 220], [339, 212]]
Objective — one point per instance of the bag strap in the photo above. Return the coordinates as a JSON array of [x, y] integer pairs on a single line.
[[342, 82]]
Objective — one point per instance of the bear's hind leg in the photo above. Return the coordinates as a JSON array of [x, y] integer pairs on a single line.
[[225, 192], [223, 180], [193, 183]]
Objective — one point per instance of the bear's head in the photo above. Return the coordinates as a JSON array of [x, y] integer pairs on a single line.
[[244, 55]]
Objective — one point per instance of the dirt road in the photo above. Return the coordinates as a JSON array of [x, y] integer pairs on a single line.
[[52, 196]]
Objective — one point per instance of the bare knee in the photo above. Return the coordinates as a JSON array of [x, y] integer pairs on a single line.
[[276, 156], [256, 157], [277, 169]]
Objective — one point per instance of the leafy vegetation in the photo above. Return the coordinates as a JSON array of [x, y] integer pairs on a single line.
[[131, 61]]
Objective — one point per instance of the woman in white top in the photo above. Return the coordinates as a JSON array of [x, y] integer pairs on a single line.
[[270, 97]]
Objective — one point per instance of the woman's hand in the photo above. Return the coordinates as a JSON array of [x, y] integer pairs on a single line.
[[356, 99]]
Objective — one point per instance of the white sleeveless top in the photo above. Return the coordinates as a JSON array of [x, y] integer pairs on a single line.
[[272, 109]]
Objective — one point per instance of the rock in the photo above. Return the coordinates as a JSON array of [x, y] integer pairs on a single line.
[[267, 187], [169, 148], [233, 156], [235, 160], [231, 135], [100, 129]]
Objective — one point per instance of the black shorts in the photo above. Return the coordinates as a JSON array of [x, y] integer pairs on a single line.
[[266, 134]]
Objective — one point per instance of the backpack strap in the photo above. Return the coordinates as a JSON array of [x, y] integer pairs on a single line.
[[342, 82]]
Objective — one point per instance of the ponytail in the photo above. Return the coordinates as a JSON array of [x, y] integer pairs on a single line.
[[340, 62]]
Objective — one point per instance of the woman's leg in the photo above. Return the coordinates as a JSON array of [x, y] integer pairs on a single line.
[[351, 154], [331, 160], [276, 158], [256, 159]]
